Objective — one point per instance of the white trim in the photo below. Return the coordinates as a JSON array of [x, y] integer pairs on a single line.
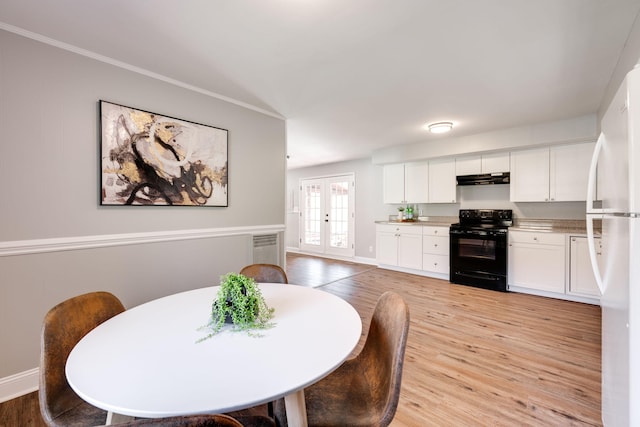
[[111, 61], [18, 384], [25, 247]]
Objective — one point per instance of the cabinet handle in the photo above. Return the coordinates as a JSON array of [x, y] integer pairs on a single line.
[[535, 238], [435, 245], [435, 263], [435, 232]]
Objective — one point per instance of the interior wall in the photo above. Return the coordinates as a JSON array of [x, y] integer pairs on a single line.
[[366, 196], [49, 167]]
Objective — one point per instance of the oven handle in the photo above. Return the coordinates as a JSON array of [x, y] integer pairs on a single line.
[[477, 236], [477, 276]]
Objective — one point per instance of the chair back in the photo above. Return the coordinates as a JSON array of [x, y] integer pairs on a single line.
[[382, 356], [265, 273], [64, 325]]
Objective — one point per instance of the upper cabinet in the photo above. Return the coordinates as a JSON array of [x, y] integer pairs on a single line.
[[569, 171], [557, 173], [442, 181], [485, 163], [530, 175], [420, 182], [406, 183]]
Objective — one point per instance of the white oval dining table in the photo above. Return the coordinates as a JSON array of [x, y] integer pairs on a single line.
[[150, 362]]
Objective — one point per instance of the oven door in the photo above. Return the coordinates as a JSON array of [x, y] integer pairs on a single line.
[[478, 258]]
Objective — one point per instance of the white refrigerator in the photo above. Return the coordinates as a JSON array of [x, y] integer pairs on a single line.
[[614, 180]]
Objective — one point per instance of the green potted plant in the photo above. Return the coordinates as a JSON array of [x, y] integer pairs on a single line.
[[239, 302], [400, 213]]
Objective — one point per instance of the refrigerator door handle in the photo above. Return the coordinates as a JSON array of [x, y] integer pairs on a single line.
[[592, 253], [591, 183]]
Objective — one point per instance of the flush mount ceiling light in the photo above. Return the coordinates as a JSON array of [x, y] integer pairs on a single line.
[[440, 127]]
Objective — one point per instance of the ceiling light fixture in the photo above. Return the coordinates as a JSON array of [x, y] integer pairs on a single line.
[[440, 127]]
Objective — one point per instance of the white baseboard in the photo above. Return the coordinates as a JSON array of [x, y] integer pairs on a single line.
[[359, 260], [18, 384]]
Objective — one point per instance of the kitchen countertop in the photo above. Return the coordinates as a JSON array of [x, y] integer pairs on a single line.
[[568, 226], [435, 221], [554, 226]]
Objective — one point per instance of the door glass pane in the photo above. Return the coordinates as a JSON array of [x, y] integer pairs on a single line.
[[339, 214], [313, 214]]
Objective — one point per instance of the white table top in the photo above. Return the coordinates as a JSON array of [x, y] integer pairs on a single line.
[[146, 362]]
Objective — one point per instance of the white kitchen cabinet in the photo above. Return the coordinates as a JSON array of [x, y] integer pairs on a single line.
[[442, 181], [468, 165], [406, 183], [435, 250], [496, 162], [581, 279], [530, 175], [551, 174], [485, 163], [399, 245], [537, 261], [393, 183], [569, 171]]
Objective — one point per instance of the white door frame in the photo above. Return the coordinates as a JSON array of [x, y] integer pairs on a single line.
[[327, 217]]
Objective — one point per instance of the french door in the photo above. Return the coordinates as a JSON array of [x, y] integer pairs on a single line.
[[327, 215]]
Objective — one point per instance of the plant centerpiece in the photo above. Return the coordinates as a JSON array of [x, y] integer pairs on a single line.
[[400, 213], [239, 302]]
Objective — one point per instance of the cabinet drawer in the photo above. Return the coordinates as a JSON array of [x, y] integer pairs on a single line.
[[435, 231], [435, 263], [399, 229], [537, 237], [436, 245]]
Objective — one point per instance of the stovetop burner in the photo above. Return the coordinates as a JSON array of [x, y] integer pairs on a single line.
[[485, 218]]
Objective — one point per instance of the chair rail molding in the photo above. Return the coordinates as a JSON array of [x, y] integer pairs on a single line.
[[36, 246]]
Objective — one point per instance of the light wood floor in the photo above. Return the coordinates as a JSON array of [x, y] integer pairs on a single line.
[[476, 357], [473, 358]]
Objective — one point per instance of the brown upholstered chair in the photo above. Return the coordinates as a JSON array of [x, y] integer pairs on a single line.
[[186, 421], [265, 273], [365, 389], [64, 325]]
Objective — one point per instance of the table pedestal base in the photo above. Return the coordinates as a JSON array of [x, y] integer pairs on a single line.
[[296, 409]]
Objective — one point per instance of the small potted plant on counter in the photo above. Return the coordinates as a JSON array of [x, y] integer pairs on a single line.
[[400, 213], [240, 303]]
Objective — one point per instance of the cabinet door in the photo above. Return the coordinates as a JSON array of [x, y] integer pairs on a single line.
[[386, 247], [581, 280], [569, 171], [442, 181], [468, 165], [495, 162], [393, 182], [530, 175], [416, 182], [535, 265], [410, 250]]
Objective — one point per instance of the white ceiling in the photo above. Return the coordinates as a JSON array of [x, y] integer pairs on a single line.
[[354, 76]]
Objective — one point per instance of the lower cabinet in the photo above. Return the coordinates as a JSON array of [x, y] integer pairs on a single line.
[[552, 264], [537, 261], [581, 278], [399, 245], [435, 249]]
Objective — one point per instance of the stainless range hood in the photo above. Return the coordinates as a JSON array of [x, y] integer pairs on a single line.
[[484, 179]]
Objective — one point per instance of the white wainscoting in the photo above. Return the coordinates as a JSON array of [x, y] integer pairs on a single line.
[[26, 382]]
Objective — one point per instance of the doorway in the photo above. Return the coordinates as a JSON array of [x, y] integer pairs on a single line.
[[327, 215]]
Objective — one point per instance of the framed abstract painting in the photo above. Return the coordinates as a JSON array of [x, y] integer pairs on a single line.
[[149, 159]]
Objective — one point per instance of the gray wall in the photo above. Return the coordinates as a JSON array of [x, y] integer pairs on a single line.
[[49, 169], [367, 183]]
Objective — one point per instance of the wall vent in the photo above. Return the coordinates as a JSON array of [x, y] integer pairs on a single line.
[[265, 249]]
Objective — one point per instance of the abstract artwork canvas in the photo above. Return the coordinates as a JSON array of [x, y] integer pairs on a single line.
[[149, 159]]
